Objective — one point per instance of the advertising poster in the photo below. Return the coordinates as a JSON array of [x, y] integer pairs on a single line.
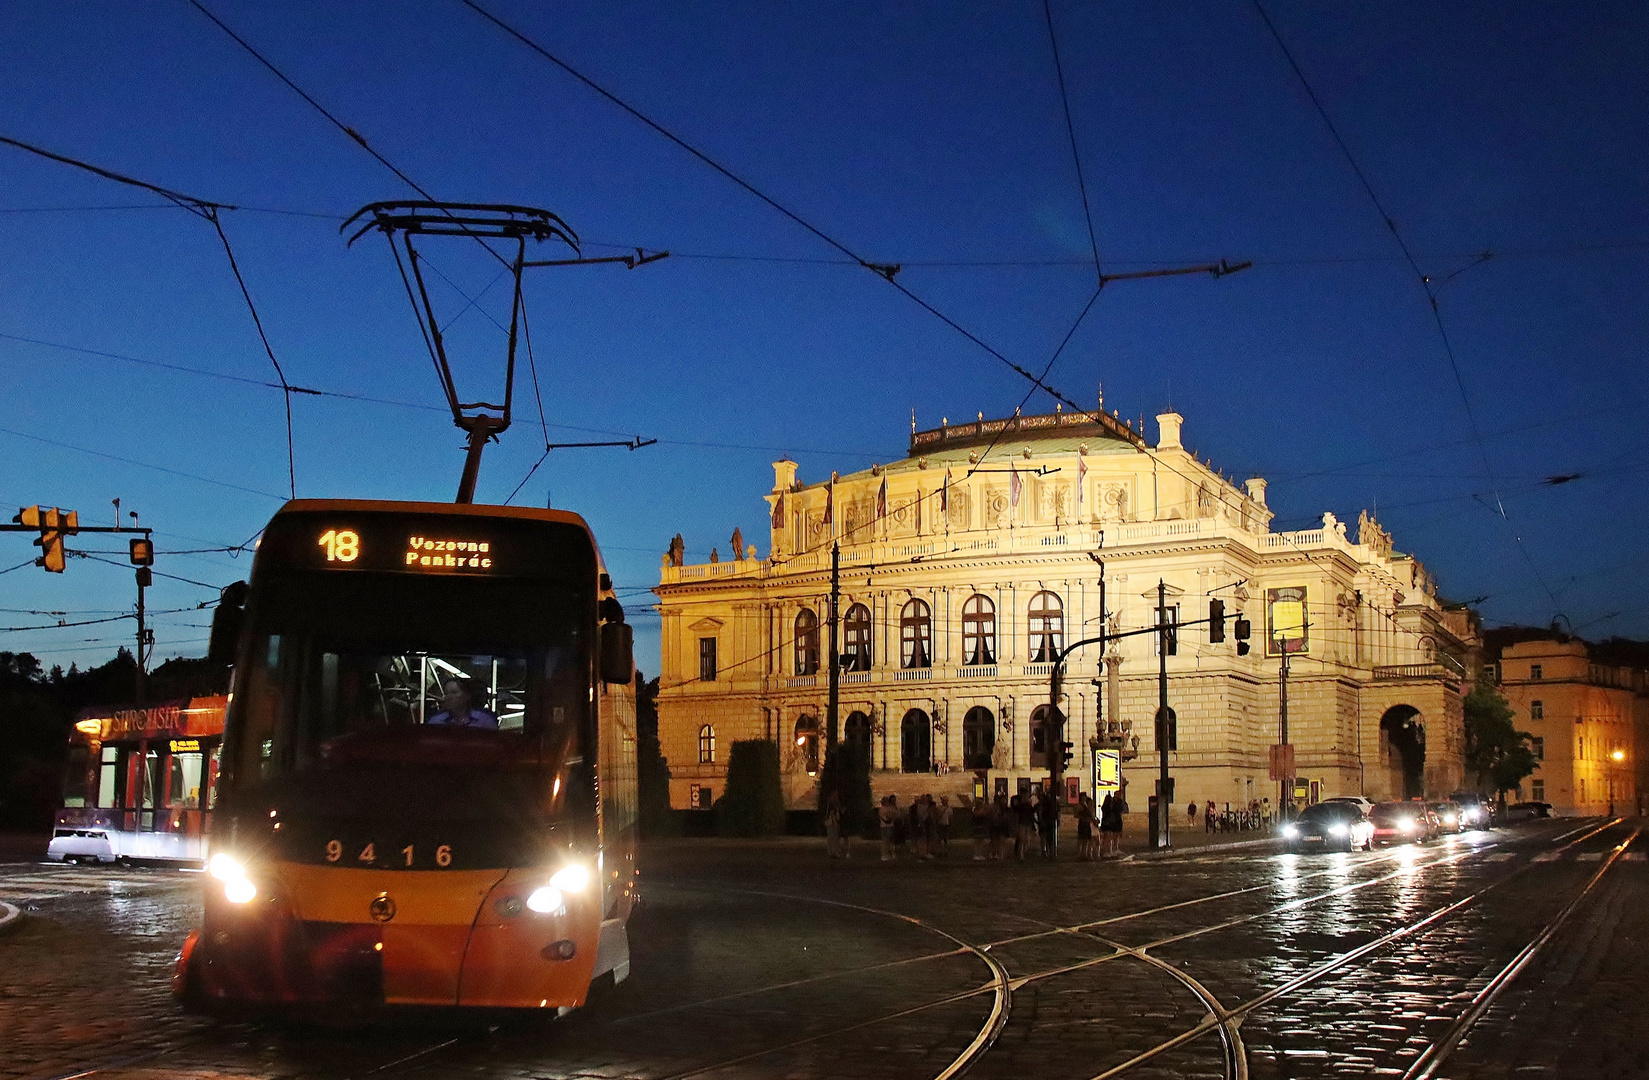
[[1286, 615]]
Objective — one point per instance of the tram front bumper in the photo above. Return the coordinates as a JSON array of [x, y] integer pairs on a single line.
[[360, 939]]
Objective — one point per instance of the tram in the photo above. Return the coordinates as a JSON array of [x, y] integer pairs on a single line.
[[427, 787], [139, 782]]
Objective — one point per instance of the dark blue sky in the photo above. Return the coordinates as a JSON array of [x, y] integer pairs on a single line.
[[914, 135]]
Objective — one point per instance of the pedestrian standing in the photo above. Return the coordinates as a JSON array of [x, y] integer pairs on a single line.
[[982, 832], [1000, 825], [885, 819], [1084, 826], [914, 823], [942, 821], [1208, 817], [1191, 812], [1047, 825], [833, 824], [1110, 827]]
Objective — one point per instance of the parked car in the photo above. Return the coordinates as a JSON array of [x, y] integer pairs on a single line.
[[1399, 823], [1449, 817], [1333, 825], [1526, 811], [1476, 812]]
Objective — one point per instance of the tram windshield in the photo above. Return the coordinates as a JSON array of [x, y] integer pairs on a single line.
[[365, 665]]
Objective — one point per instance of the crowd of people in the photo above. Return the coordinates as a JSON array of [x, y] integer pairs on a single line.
[[1006, 827], [1256, 815]]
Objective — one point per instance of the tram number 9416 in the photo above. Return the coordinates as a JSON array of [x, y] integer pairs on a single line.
[[406, 857]]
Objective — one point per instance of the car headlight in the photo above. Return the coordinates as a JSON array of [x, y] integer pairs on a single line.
[[544, 900], [1337, 829], [1449, 819], [1405, 824], [1291, 832], [225, 868], [572, 878]]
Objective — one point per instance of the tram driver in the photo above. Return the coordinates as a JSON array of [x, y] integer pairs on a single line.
[[458, 707]]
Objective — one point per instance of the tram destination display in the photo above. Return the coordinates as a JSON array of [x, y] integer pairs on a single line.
[[419, 544]]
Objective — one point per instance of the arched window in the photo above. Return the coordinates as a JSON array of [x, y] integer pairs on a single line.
[[807, 743], [916, 743], [807, 642], [856, 639], [978, 631], [856, 732], [978, 738], [1042, 743], [1047, 626], [916, 635], [707, 744]]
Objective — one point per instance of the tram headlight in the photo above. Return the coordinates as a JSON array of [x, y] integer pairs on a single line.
[[225, 868], [544, 900], [239, 890], [572, 878]]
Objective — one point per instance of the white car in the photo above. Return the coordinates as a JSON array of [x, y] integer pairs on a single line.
[[1365, 805]]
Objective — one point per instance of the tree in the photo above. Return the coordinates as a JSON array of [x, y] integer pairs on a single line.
[[652, 770], [847, 770], [1499, 754]]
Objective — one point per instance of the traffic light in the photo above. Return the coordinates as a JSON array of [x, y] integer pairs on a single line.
[[143, 551], [1216, 621], [54, 525], [1066, 749], [1240, 630]]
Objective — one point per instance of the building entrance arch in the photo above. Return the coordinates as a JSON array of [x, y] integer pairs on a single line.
[[1042, 721], [856, 732], [807, 743], [916, 742], [1403, 751], [978, 738]]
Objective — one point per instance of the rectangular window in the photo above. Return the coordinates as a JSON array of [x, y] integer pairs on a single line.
[[707, 659], [1537, 790], [1535, 671], [1538, 745], [108, 779], [1170, 616], [1537, 710]]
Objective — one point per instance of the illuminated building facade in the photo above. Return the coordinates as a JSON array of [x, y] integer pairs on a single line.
[[967, 566], [1588, 713]]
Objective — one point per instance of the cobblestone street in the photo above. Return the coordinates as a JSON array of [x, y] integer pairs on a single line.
[[765, 959]]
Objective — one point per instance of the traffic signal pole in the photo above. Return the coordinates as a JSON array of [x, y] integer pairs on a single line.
[[1165, 786]]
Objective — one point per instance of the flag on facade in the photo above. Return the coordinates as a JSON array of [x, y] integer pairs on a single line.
[[778, 511], [920, 499], [1013, 485], [1081, 479], [944, 494], [830, 502], [881, 500]]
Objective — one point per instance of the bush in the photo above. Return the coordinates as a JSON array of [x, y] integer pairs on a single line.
[[847, 770], [753, 803]]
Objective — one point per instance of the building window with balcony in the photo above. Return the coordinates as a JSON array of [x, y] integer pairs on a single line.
[[1538, 745], [807, 642], [1047, 627], [1042, 747], [707, 744], [707, 659], [978, 631], [856, 639], [916, 635], [1536, 671], [1537, 710]]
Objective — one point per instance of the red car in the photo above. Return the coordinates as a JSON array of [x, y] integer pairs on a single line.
[[1400, 823]]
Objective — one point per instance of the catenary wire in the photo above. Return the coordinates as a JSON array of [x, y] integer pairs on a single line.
[[142, 464], [1070, 131]]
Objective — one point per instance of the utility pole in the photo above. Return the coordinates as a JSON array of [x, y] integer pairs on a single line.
[[1165, 786], [1285, 784], [834, 702], [143, 580]]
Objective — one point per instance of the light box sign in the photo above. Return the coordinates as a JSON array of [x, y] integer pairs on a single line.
[[1286, 612]]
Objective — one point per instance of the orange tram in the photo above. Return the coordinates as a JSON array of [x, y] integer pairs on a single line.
[[139, 783], [427, 785]]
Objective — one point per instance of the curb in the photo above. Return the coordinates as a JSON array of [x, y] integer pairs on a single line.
[[1207, 849], [9, 914]]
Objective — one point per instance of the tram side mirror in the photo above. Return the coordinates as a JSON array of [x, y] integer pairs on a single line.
[[617, 653], [227, 622]]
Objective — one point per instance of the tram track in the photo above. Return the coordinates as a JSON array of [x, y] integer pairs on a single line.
[[1219, 1018]]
